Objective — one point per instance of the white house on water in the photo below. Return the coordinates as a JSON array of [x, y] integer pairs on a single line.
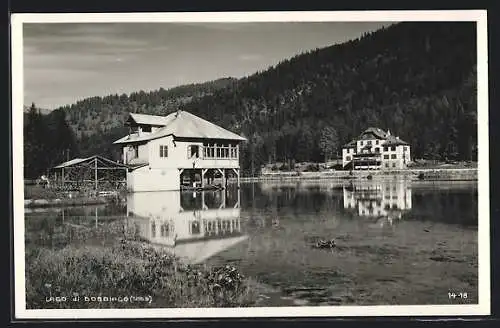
[[376, 149], [164, 152]]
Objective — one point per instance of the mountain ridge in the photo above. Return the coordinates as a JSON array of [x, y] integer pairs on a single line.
[[416, 79]]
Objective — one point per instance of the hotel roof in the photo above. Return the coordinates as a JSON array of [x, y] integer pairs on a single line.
[[389, 139]]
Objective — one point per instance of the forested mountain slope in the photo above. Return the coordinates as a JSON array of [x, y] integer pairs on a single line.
[[417, 79]]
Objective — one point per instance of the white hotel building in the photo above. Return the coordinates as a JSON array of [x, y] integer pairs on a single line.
[[376, 149]]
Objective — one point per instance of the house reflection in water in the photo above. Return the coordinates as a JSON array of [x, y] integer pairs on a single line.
[[192, 226], [378, 199]]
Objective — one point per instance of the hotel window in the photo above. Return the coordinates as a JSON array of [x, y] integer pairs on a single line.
[[163, 151], [369, 142], [393, 148], [377, 150], [393, 164], [393, 156], [376, 142], [386, 156]]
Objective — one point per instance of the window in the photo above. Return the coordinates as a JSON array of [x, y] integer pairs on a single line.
[[376, 142], [220, 151], [163, 151], [369, 142], [164, 230], [153, 229], [195, 228], [386, 164], [377, 150], [393, 156], [393, 148], [209, 150], [361, 143], [393, 164], [386, 156], [405, 148], [386, 148], [193, 151], [146, 128], [348, 158]]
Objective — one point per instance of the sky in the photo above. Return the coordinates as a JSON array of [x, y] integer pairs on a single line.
[[67, 62]]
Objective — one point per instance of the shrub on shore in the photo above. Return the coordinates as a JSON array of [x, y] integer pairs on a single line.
[[127, 269]]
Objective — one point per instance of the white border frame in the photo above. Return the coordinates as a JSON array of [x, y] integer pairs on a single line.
[[478, 16]]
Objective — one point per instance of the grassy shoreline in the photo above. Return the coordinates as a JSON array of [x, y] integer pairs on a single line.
[[78, 273]]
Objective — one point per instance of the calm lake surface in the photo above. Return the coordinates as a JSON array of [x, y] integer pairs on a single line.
[[396, 241]]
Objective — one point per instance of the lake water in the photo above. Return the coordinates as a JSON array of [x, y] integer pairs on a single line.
[[396, 241]]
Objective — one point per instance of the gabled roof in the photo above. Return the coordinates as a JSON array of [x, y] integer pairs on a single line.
[[350, 144], [389, 139], [76, 161], [147, 119], [394, 141], [182, 124], [377, 132]]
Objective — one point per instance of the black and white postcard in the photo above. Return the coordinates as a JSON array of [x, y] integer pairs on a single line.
[[263, 164]]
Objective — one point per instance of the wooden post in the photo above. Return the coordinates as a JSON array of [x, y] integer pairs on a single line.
[[224, 198], [203, 206], [203, 172], [238, 198], [95, 173], [225, 179], [237, 172], [62, 177]]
